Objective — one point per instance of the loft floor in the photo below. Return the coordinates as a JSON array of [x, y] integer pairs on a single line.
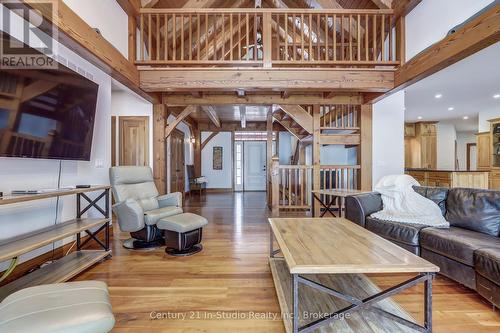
[[232, 277]]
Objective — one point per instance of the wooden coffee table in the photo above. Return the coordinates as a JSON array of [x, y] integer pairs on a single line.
[[320, 277]]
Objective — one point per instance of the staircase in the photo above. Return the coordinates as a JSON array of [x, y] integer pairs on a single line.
[[290, 124]]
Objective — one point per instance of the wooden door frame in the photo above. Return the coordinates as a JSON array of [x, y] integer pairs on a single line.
[[469, 146], [175, 131], [113, 141], [121, 119]]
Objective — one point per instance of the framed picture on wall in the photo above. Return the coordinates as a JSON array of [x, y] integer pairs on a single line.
[[217, 158]]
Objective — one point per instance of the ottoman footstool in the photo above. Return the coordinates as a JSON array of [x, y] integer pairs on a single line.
[[183, 233], [76, 307]]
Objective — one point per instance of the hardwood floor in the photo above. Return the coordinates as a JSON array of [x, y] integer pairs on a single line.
[[231, 278]]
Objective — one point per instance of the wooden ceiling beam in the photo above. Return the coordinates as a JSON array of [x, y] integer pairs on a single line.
[[403, 7], [212, 115], [186, 112], [262, 99], [260, 126], [475, 35], [383, 4], [131, 7], [151, 3], [298, 79]]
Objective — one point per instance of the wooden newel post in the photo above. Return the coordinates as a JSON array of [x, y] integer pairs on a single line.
[[275, 186]]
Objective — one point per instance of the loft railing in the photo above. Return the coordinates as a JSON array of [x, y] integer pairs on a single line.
[[268, 37], [290, 185]]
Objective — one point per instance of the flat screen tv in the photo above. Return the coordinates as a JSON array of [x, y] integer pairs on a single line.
[[46, 113]]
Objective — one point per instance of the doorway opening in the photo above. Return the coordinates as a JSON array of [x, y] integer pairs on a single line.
[[250, 161]]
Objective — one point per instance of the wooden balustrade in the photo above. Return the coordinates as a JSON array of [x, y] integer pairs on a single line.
[[295, 186], [267, 37], [339, 176], [340, 117], [290, 185]]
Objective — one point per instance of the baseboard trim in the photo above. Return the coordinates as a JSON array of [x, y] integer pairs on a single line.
[[219, 190]]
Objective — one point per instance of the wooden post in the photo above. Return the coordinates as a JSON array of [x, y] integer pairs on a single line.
[[197, 151], [159, 160], [275, 186], [132, 39], [365, 153], [316, 158], [401, 40], [269, 147], [267, 39]]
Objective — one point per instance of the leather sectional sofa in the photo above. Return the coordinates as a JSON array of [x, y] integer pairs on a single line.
[[468, 252]]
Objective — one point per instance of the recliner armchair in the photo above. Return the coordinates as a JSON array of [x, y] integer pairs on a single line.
[[139, 206]]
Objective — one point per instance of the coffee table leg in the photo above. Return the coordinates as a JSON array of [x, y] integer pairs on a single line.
[[295, 297], [428, 304]]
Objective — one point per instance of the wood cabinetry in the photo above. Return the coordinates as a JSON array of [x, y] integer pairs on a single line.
[[495, 180], [488, 153], [421, 145], [451, 179], [409, 130], [483, 151]]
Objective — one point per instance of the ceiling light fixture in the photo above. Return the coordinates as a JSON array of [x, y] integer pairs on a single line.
[[451, 108], [419, 117], [438, 96], [496, 96], [466, 117]]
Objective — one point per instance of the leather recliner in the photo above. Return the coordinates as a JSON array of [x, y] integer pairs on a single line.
[[139, 206]]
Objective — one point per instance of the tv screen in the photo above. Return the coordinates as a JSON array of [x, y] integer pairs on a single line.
[[46, 113]]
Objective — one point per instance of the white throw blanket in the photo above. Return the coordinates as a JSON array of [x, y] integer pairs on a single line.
[[403, 204]]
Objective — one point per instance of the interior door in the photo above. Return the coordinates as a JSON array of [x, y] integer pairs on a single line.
[[254, 170], [177, 165], [134, 141]]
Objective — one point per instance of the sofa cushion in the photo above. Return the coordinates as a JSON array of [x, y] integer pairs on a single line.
[[407, 233], [152, 217], [456, 243], [473, 209], [487, 263], [437, 194]]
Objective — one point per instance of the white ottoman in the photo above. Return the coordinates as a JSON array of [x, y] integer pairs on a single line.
[[73, 307], [183, 233]]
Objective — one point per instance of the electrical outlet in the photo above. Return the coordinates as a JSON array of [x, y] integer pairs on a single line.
[[99, 163]]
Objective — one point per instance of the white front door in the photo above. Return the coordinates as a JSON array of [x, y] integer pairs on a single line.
[[254, 170]]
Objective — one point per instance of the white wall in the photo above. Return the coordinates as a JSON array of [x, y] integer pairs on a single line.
[[285, 148], [463, 138], [218, 178], [108, 17], [388, 136], [484, 116], [36, 173], [188, 152], [127, 103], [446, 137], [431, 20]]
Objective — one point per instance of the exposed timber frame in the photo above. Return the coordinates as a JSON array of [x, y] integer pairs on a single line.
[[476, 34], [300, 79]]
